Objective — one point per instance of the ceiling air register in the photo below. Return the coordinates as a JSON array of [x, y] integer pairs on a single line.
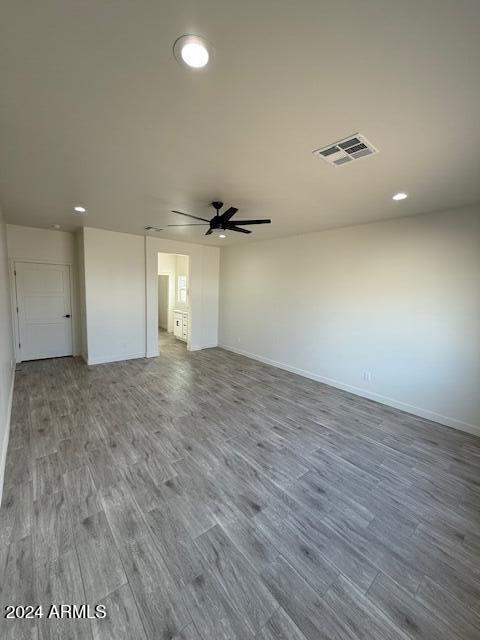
[[346, 150]]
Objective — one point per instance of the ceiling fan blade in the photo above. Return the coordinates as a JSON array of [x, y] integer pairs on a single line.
[[190, 224], [209, 232], [226, 215], [190, 215], [232, 227], [265, 221]]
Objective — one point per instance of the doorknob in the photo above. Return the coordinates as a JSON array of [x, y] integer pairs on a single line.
[[67, 316]]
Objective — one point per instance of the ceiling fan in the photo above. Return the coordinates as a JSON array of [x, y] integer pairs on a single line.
[[222, 222]]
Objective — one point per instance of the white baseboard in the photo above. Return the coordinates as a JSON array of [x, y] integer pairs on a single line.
[[203, 346], [107, 359], [3, 452], [365, 393], [155, 354]]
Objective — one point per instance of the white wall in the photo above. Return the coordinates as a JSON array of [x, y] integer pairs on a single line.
[[182, 270], [7, 356], [167, 265], [114, 295], [82, 308], [45, 245], [121, 294], [399, 300], [163, 301], [203, 289]]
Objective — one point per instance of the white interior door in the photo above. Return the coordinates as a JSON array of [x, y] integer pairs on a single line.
[[44, 310]]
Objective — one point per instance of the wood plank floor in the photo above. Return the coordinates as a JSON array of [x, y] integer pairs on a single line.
[[204, 496]]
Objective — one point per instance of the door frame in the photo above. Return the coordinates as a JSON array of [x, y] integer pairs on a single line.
[[172, 247], [203, 279], [14, 301], [172, 300]]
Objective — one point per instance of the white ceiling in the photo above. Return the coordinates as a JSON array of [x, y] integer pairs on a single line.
[[95, 109]]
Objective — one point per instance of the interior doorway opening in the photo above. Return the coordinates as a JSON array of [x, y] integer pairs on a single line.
[[173, 300]]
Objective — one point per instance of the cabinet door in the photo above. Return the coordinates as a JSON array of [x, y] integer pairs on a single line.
[[177, 325]]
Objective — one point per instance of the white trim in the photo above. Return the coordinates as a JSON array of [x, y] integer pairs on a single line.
[[145, 293], [65, 263], [14, 305], [206, 346], [155, 354], [3, 458], [82, 297], [107, 359], [397, 404]]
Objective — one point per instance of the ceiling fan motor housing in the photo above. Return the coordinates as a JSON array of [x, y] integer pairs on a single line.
[[217, 223]]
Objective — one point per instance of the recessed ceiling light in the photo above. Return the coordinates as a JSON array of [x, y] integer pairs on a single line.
[[56, 226], [79, 209], [400, 196], [222, 235], [192, 51]]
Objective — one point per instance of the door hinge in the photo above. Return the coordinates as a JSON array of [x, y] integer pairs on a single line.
[[14, 273], [19, 345], [17, 309]]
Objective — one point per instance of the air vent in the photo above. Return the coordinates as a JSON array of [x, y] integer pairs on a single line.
[[151, 228], [343, 160], [344, 151]]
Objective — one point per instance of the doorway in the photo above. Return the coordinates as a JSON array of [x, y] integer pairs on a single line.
[[173, 299], [202, 295], [44, 310]]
